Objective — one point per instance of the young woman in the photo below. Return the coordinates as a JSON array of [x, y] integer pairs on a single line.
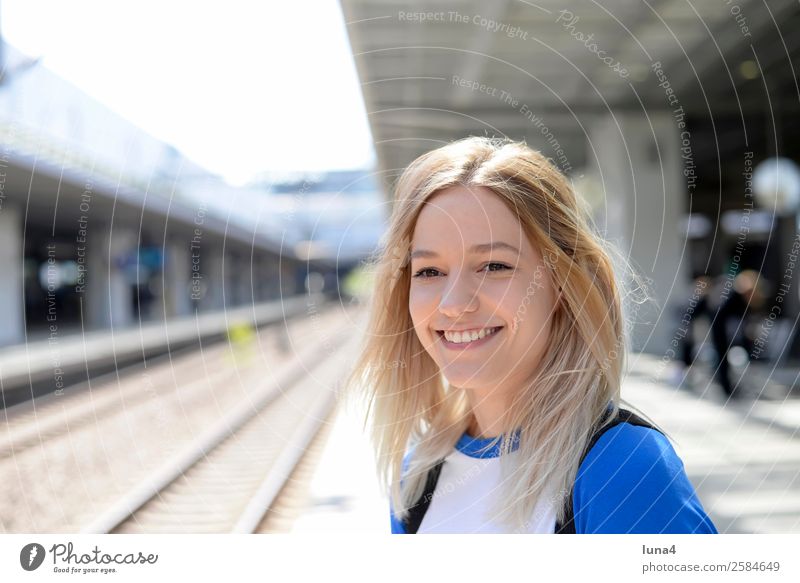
[[493, 360]]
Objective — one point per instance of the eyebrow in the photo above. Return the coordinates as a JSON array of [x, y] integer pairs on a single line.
[[481, 248]]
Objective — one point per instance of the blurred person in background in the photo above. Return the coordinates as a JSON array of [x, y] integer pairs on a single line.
[[731, 325]]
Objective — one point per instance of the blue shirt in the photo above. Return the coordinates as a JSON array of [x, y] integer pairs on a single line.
[[631, 481]]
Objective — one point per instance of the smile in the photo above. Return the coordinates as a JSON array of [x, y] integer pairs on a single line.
[[472, 338]]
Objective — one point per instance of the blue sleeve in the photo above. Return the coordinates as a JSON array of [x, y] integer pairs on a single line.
[[632, 481], [397, 525]]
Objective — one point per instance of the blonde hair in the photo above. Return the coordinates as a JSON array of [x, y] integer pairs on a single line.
[[410, 404]]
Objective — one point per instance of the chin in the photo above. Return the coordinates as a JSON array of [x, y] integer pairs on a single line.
[[465, 381]]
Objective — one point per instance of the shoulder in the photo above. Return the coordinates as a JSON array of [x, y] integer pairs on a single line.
[[629, 449], [632, 481]]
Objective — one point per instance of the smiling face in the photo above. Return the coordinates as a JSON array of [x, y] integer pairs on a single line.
[[460, 282]]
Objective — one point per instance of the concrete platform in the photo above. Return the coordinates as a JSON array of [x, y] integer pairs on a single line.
[[344, 491], [743, 456], [41, 366]]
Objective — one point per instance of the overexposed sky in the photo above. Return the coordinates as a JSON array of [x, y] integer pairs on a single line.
[[239, 87]]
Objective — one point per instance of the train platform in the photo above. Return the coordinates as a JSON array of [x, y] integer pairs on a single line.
[[50, 364], [343, 493]]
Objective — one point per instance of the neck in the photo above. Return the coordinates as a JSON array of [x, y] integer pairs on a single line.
[[486, 421]]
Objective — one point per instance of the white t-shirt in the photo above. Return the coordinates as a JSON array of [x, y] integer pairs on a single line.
[[468, 485], [631, 481]]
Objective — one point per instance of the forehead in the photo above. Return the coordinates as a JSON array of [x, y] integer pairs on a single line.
[[471, 215]]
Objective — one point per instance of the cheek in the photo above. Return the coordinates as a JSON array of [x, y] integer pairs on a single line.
[[422, 296], [420, 312], [531, 302], [419, 307], [535, 322], [506, 298]]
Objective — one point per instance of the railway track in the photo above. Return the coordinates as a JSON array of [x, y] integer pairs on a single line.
[[64, 464], [186, 370], [229, 478]]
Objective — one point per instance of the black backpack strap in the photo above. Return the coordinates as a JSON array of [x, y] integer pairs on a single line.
[[417, 512], [624, 416]]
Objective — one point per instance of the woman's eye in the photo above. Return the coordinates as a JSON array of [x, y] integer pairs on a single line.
[[421, 271], [499, 267]]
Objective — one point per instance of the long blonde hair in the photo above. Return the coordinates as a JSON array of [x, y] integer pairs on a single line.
[[409, 402]]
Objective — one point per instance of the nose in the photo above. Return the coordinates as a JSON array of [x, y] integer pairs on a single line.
[[458, 297]]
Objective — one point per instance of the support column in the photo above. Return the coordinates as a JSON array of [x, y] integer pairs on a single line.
[[211, 265], [272, 276], [177, 278], [247, 290], [639, 169], [259, 268], [12, 305], [109, 287], [234, 278], [288, 275]]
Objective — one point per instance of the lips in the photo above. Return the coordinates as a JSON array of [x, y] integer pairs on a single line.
[[475, 328], [474, 343]]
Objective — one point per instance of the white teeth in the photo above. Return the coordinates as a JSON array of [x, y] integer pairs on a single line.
[[471, 336]]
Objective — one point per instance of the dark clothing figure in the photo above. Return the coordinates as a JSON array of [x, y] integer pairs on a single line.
[[733, 305], [700, 308]]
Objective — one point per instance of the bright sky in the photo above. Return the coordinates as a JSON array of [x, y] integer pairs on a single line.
[[239, 87]]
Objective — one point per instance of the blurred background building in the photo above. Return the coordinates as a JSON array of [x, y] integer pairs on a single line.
[[115, 227]]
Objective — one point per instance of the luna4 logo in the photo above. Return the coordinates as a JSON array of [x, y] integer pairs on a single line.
[[31, 556]]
